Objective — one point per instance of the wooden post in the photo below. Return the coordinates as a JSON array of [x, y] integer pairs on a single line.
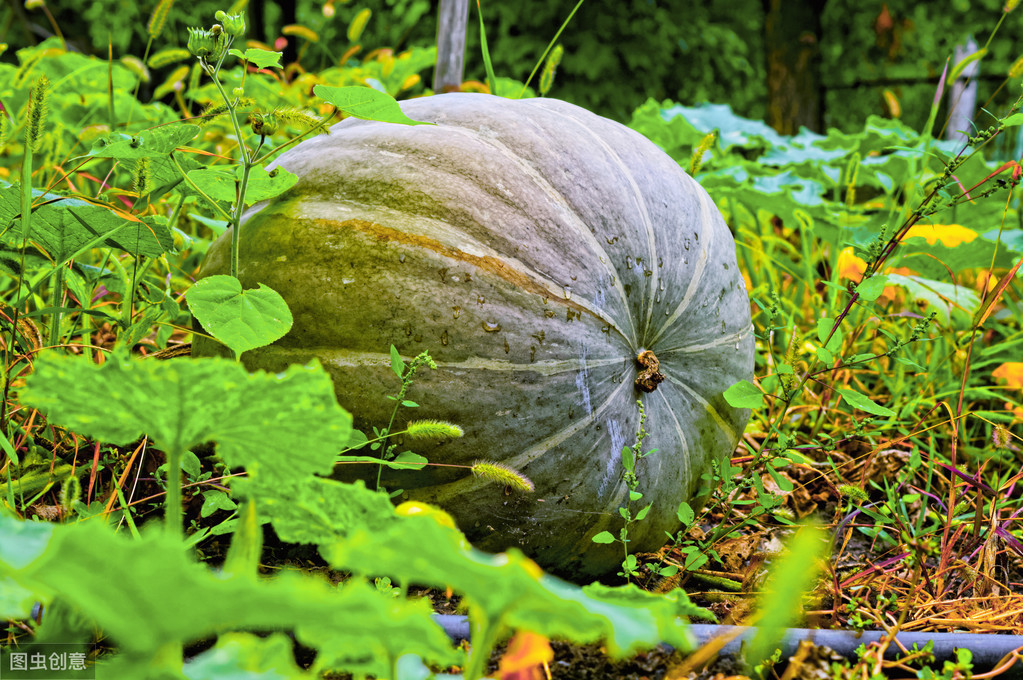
[[963, 98], [452, 21]]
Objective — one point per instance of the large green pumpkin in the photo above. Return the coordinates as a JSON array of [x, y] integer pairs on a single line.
[[535, 250]]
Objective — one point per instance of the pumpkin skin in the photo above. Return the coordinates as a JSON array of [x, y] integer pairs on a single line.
[[534, 249]]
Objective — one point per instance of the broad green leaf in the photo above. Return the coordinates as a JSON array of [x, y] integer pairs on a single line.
[[125, 586], [66, 226], [1014, 119], [871, 289], [941, 297], [824, 327], [744, 394], [152, 143], [222, 183], [790, 577], [507, 589], [316, 510], [244, 656], [824, 355], [256, 419], [863, 403], [365, 103], [604, 537], [259, 58], [241, 319]]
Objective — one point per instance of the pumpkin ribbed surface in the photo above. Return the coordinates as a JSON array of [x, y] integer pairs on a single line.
[[536, 250]]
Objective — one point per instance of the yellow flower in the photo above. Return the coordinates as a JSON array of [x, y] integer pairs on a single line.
[[850, 266], [1012, 373], [950, 235]]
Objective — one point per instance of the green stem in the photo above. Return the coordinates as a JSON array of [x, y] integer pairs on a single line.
[[246, 167], [483, 638], [57, 296], [172, 508]]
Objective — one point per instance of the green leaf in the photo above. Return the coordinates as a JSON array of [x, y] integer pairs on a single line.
[[259, 58], [641, 515], [863, 403], [66, 226], [941, 297], [124, 585], [397, 365], [824, 327], [365, 103], [316, 510], [504, 590], [871, 289], [685, 513], [744, 394], [407, 460], [1014, 119], [604, 537], [824, 355], [241, 319], [254, 418], [154, 143], [244, 656], [221, 183]]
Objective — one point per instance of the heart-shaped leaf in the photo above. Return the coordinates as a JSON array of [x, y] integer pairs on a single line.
[[241, 319]]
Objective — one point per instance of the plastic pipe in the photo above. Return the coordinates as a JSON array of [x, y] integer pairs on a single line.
[[987, 649]]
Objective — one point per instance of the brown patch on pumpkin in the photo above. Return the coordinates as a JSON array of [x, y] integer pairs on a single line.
[[650, 377], [488, 264]]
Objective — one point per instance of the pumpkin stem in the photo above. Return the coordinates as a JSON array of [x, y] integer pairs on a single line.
[[649, 378]]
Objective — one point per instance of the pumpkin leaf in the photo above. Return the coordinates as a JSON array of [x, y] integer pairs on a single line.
[[864, 403], [153, 143], [744, 394], [221, 183], [259, 58], [181, 404], [241, 319], [507, 589], [365, 103], [129, 604]]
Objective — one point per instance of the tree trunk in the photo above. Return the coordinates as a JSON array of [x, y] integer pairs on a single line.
[[452, 20], [792, 32]]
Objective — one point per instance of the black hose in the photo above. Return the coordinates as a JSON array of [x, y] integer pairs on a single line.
[[987, 649]]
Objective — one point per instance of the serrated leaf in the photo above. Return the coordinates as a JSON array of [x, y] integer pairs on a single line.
[[241, 319], [259, 58], [109, 579], [864, 403], [744, 394], [181, 404], [871, 289], [365, 103], [508, 589]]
